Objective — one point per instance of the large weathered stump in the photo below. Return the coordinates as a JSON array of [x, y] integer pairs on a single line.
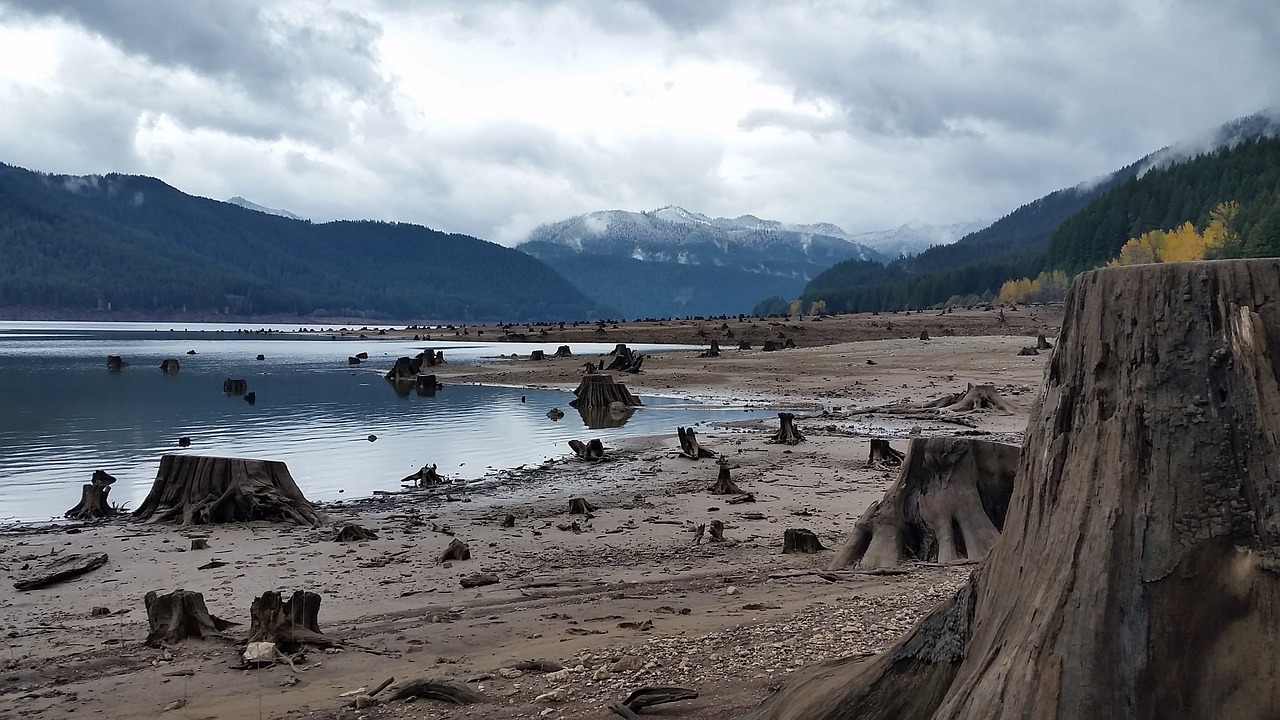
[[179, 615], [600, 390], [689, 445], [948, 504], [788, 433], [195, 489], [1137, 573], [287, 623], [93, 499]]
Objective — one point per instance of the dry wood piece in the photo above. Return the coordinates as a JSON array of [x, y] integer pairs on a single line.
[[800, 540], [724, 485], [425, 477], [882, 454], [788, 433], [592, 450], [743, 498], [479, 580], [1136, 576], [457, 550], [196, 489], [115, 363], [649, 696], [580, 506], [289, 624], [234, 386], [442, 689], [354, 533], [93, 499], [170, 366], [179, 615], [600, 390], [689, 446], [947, 504], [716, 531], [64, 567]]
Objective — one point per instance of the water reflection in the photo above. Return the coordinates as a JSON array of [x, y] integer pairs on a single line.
[[600, 418]]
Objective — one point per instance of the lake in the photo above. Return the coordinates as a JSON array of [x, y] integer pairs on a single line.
[[64, 415]]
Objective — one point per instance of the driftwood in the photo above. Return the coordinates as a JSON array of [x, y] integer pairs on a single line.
[[800, 540], [592, 450], [457, 550], [580, 506], [442, 689], [724, 485], [948, 503], [195, 489], [883, 455], [63, 567], [788, 433], [649, 696], [93, 499], [289, 624], [479, 580], [600, 390], [1136, 576], [179, 615], [354, 533], [425, 477], [689, 446]]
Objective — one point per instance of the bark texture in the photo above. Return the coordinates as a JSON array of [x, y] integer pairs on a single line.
[[196, 489], [1137, 574]]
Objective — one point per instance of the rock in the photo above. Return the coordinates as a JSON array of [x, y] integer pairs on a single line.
[[364, 701], [260, 652], [510, 673], [557, 676], [602, 673], [628, 663], [731, 590], [290, 681], [175, 705], [99, 612], [554, 696]]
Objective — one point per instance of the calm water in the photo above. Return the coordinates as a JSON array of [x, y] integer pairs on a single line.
[[63, 415]]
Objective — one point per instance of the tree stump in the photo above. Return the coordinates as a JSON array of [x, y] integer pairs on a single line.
[[924, 334], [509, 521], [537, 355], [197, 489], [170, 366], [115, 363], [788, 433], [770, 346], [1042, 344], [93, 503], [1026, 351], [251, 397], [800, 540], [625, 360], [744, 345], [234, 386], [724, 485], [179, 615], [580, 506], [563, 352], [592, 450], [713, 351], [289, 624], [715, 531], [1137, 574], [425, 477], [882, 455], [457, 550], [426, 385], [354, 533], [600, 390], [947, 504], [689, 446], [353, 360], [975, 397]]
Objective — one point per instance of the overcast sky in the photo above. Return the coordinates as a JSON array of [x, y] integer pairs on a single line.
[[491, 117]]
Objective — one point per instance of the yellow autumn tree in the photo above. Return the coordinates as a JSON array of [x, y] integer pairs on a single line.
[[1184, 243], [1046, 287], [1221, 237]]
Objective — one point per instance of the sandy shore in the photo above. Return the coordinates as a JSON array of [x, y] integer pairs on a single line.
[[628, 599]]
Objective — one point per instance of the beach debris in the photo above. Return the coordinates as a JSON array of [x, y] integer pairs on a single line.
[[425, 477], [170, 366], [115, 363], [724, 485], [882, 455], [689, 446], [93, 499], [478, 580], [63, 567], [592, 450], [625, 359], [541, 665], [442, 689], [555, 413], [509, 521], [580, 506], [947, 504], [600, 390], [649, 696], [289, 624], [179, 615], [788, 433], [457, 550], [213, 565], [354, 533], [198, 489], [800, 540], [235, 386], [199, 544]]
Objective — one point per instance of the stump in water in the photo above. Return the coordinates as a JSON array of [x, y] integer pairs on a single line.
[[948, 504], [1137, 573], [234, 386], [788, 433], [195, 489], [974, 397], [592, 450], [289, 624], [580, 506], [800, 540], [170, 366], [689, 446], [425, 477], [93, 499], [883, 455], [724, 485], [600, 390], [115, 363], [179, 615], [426, 385]]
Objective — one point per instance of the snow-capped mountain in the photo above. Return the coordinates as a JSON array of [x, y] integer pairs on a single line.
[[246, 204], [914, 239]]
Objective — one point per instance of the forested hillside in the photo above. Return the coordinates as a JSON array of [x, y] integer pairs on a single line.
[[121, 242]]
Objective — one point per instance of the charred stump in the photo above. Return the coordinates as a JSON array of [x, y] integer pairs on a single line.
[[592, 450], [196, 489], [1137, 573], [289, 624], [179, 615], [93, 503], [689, 446], [788, 433], [883, 455], [800, 540], [600, 390]]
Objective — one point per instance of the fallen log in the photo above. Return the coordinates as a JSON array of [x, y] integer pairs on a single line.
[[442, 689], [63, 567]]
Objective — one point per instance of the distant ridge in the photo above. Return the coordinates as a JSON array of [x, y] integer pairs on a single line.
[[249, 205]]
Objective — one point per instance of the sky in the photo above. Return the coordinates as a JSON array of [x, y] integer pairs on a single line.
[[490, 117]]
